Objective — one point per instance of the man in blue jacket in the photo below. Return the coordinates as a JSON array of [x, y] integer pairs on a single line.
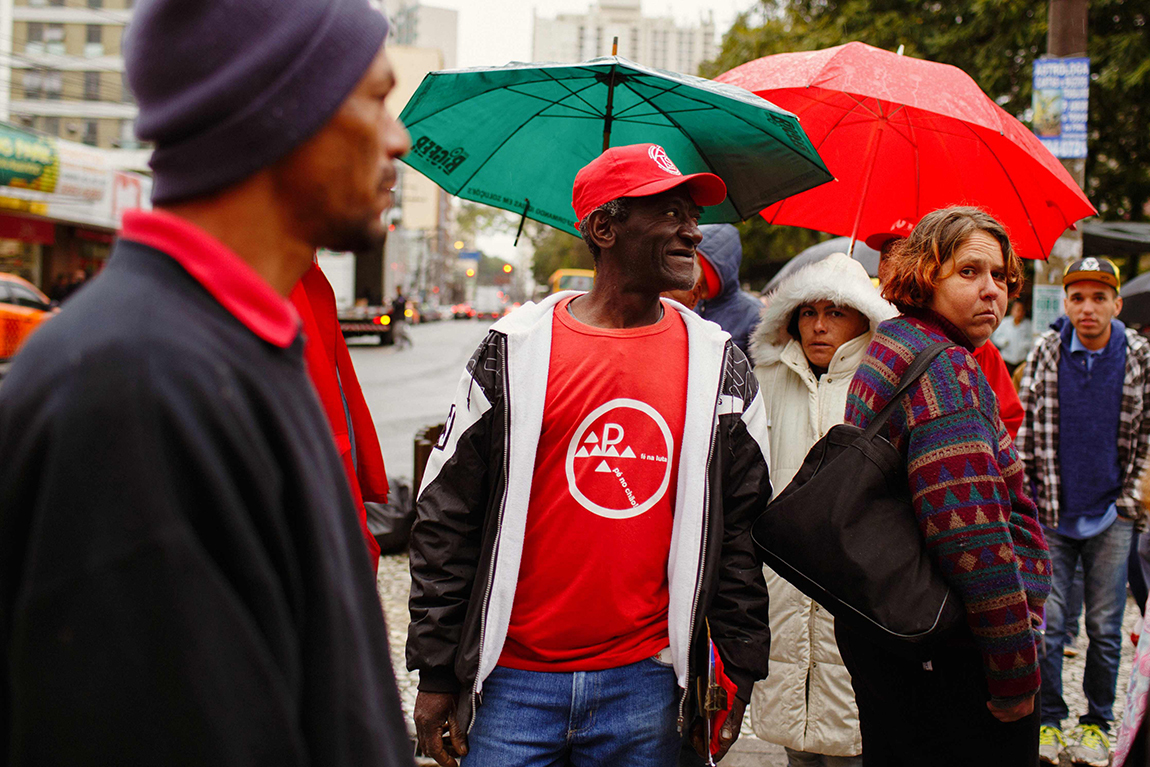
[[724, 302]]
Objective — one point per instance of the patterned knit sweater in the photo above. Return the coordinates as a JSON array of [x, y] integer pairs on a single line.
[[967, 488]]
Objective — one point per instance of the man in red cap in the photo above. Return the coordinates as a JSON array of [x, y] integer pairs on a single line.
[[583, 525]]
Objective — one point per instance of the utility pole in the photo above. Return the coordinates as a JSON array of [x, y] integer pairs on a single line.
[[1065, 38]]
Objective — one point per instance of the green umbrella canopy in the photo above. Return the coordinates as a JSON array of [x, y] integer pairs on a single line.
[[508, 135]]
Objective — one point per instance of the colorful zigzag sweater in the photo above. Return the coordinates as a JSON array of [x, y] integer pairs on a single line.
[[966, 482]]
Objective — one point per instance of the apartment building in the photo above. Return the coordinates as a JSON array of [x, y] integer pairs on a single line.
[[656, 41], [67, 69]]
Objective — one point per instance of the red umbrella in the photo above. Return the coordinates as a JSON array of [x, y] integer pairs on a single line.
[[903, 137]]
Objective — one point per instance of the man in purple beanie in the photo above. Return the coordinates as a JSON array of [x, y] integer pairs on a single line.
[[182, 576]]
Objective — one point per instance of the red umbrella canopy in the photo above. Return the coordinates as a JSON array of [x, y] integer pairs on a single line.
[[903, 137]]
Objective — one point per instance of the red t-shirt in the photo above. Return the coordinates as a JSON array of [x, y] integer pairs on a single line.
[[998, 376], [592, 591]]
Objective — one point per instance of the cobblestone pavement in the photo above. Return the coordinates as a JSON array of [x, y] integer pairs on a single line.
[[749, 751]]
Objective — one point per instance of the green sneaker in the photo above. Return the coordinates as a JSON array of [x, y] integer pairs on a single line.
[[1089, 746], [1050, 744]]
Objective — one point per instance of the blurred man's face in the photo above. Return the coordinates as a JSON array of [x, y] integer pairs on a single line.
[[1018, 312], [338, 183], [1091, 306]]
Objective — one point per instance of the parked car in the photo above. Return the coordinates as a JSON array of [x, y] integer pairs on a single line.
[[22, 309], [462, 312]]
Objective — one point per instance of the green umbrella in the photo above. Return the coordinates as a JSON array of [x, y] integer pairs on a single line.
[[515, 136]]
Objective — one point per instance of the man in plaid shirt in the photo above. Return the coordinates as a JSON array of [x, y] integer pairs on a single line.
[[1084, 442]]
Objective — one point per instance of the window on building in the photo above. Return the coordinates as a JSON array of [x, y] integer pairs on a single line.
[[94, 43], [91, 86], [54, 39], [42, 84], [95, 3], [126, 92], [56, 3], [128, 135], [35, 39], [90, 132], [50, 125]]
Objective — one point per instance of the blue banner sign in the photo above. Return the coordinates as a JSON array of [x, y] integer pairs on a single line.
[[1061, 104]]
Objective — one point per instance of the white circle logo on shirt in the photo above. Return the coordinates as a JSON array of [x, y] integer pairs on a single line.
[[619, 461]]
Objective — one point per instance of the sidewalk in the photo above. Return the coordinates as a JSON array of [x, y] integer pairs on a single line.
[[748, 751]]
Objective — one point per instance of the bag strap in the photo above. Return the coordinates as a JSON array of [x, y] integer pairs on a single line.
[[917, 367]]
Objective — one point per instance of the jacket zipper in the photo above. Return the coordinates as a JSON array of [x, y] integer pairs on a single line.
[[703, 548], [476, 699]]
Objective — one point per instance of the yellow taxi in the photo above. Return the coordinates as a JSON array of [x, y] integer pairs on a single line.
[[22, 309]]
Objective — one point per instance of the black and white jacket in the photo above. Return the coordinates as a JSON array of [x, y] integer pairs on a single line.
[[472, 509]]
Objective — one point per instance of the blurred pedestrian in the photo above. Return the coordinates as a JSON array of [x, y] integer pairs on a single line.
[[398, 314], [1015, 336], [813, 335], [725, 302], [583, 525], [987, 356], [972, 699], [59, 289], [184, 580], [1084, 441]]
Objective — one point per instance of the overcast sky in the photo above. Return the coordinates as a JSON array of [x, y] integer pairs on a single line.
[[494, 32]]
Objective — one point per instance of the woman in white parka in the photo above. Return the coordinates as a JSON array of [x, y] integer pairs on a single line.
[[812, 336]]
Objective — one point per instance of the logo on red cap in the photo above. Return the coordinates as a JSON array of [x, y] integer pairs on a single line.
[[659, 155]]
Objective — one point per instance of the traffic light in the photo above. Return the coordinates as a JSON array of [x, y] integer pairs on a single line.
[[470, 272], [507, 268]]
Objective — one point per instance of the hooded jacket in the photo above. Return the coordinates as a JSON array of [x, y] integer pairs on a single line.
[[806, 702], [468, 535], [732, 309]]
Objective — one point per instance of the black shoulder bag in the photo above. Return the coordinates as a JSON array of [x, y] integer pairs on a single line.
[[844, 533]]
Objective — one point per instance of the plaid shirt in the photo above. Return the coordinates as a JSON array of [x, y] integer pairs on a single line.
[[1037, 440]]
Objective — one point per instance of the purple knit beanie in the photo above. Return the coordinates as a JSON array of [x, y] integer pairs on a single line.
[[226, 87]]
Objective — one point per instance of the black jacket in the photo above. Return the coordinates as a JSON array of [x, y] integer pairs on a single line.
[[468, 532], [183, 580]]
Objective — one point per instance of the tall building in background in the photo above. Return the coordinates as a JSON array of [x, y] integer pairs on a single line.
[[653, 41], [66, 70], [419, 245]]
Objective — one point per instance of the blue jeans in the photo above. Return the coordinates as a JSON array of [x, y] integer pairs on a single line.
[[620, 716], [1103, 560]]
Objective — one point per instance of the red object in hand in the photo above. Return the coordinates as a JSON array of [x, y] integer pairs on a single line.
[[720, 717]]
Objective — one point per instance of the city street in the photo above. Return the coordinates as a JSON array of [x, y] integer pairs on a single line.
[[412, 387]]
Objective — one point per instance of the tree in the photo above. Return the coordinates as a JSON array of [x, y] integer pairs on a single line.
[[995, 42]]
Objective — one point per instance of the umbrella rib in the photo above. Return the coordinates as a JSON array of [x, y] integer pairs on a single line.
[[550, 102], [698, 149], [473, 96], [1017, 194], [503, 143], [785, 144]]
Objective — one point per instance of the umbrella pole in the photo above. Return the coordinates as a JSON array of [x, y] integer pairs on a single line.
[[872, 150], [522, 219], [610, 98]]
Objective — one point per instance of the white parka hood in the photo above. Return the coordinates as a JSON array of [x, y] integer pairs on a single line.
[[836, 278]]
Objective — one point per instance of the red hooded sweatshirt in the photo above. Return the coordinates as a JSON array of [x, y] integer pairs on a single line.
[[326, 352]]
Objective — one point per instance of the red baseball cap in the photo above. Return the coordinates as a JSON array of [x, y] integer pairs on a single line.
[[638, 170], [896, 231]]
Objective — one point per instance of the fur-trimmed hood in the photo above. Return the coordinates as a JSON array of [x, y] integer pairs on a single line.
[[836, 278]]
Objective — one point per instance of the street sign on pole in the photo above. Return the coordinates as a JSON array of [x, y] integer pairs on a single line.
[[469, 255], [1061, 104]]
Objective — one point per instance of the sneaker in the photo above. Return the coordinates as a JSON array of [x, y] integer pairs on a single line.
[[1089, 745], [1050, 744]]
